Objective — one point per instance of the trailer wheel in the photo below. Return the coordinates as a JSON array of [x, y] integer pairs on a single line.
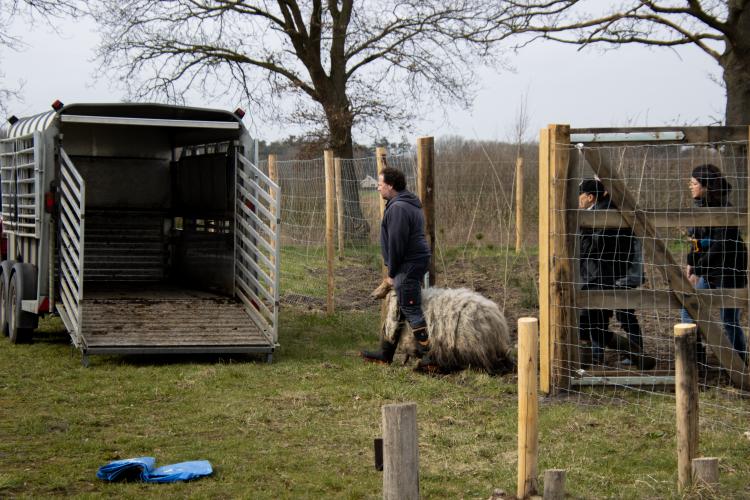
[[22, 286], [6, 267]]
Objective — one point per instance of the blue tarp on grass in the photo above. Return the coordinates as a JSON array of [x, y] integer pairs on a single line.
[[143, 468]]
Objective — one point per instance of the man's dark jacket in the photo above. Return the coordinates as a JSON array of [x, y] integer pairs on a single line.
[[606, 254], [402, 236]]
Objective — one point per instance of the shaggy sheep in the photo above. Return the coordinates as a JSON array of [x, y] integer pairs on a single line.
[[465, 328]]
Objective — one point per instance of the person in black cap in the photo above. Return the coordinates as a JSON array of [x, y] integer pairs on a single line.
[[718, 257], [610, 258]]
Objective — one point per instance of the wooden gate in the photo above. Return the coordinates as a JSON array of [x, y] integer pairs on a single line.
[[561, 151]]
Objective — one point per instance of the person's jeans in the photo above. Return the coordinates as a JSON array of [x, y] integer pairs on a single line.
[[730, 317], [408, 285]]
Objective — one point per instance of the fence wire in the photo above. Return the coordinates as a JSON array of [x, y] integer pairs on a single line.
[[475, 230], [623, 350]]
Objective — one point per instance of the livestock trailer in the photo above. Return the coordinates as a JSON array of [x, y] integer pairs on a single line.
[[147, 227]]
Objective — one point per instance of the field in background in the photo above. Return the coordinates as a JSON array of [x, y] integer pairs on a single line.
[[303, 426]]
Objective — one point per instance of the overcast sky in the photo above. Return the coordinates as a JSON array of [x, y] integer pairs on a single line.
[[629, 86]]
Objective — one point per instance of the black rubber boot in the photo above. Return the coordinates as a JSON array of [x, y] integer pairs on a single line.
[[423, 340], [383, 356]]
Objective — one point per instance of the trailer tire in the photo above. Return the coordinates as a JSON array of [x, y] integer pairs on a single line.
[[6, 267], [22, 287]]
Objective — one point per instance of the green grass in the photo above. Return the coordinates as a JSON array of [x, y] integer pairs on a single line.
[[303, 426]]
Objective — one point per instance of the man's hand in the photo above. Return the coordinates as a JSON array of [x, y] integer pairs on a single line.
[[389, 280]]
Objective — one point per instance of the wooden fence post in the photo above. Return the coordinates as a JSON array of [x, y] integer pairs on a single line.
[[339, 205], [426, 192], [686, 392], [400, 452], [554, 484], [328, 161], [519, 204], [380, 159], [556, 312], [528, 406], [706, 472]]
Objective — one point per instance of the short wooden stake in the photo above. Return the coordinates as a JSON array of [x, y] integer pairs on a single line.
[[528, 406], [339, 205], [400, 452], [519, 204], [328, 160], [686, 392], [554, 484], [706, 472]]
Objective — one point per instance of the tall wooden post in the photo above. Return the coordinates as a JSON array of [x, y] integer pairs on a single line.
[[426, 192], [556, 313], [519, 204], [328, 160], [528, 429], [273, 174], [400, 452], [686, 392], [380, 155], [339, 205], [747, 184]]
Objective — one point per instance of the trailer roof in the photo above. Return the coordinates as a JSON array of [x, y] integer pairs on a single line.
[[122, 113]]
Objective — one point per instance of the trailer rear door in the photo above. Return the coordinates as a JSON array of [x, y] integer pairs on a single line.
[[72, 219], [257, 245]]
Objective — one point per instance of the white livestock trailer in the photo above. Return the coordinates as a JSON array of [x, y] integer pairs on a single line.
[[145, 226]]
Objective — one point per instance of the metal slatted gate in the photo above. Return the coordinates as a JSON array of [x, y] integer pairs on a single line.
[[20, 179], [256, 259], [72, 203]]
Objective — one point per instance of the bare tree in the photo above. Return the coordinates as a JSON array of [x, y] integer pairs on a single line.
[[335, 65], [720, 28], [10, 10]]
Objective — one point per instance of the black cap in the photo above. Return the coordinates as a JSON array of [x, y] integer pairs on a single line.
[[591, 186]]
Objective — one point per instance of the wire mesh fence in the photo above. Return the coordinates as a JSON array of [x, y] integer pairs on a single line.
[[474, 217]]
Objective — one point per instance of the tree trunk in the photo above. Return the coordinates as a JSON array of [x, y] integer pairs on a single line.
[[736, 65], [737, 79], [356, 227]]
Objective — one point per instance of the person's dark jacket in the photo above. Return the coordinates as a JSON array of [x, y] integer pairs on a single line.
[[718, 254], [402, 236], [606, 254]]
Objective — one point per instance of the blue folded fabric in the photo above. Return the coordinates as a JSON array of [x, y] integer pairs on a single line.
[[127, 470], [143, 468], [184, 471]]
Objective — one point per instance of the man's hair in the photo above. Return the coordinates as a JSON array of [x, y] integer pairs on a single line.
[[592, 186], [394, 178]]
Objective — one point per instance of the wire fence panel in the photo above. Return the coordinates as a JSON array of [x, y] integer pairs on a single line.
[[474, 220], [663, 230]]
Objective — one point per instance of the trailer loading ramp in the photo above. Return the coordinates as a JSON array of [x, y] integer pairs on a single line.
[[167, 320]]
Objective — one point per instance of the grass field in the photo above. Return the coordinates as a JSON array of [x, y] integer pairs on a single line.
[[303, 426]]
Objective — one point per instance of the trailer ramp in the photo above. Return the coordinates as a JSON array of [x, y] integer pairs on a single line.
[[164, 320]]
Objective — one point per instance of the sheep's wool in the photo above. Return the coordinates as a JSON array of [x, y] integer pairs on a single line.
[[465, 329]]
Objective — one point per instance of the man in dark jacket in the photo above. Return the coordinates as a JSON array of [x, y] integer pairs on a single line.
[[406, 255], [607, 258]]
